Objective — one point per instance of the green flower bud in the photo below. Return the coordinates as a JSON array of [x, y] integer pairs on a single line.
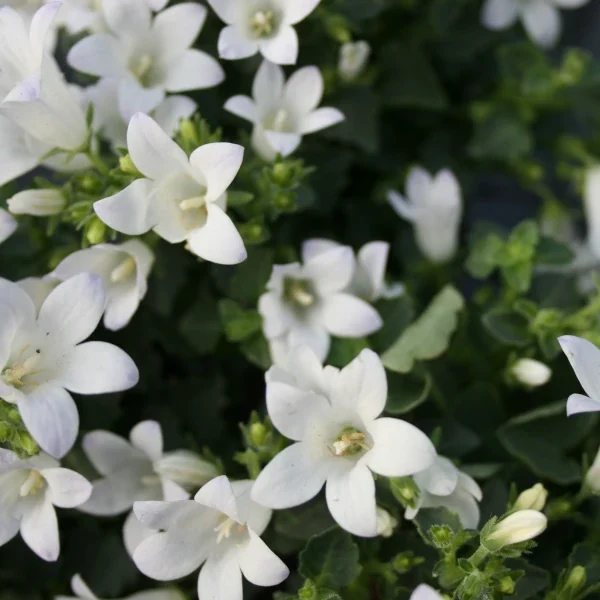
[[96, 232], [128, 167], [506, 586], [576, 580], [258, 434]]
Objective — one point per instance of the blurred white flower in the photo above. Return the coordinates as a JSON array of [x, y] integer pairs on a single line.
[[124, 269], [517, 527], [353, 59], [83, 592], [306, 303], [386, 523], [39, 203], [592, 477], [533, 498], [139, 469], [584, 358], [181, 199], [425, 592], [219, 530], [531, 373], [339, 440], [41, 357], [154, 54], [283, 112], [8, 225], [541, 18], [434, 206], [443, 484], [30, 489], [261, 25]]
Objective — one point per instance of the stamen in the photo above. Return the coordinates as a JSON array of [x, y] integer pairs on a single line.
[[195, 202], [350, 441], [299, 292], [32, 485], [280, 120], [14, 375], [262, 23], [123, 270], [142, 67], [226, 527]]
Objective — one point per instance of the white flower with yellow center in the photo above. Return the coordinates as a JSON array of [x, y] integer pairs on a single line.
[[139, 469], [340, 439], [29, 491], [261, 25], [41, 357], [219, 530], [124, 269], [283, 112], [181, 199]]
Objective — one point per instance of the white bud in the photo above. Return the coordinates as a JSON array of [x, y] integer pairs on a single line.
[[385, 523], [534, 498], [185, 468], [353, 59], [592, 477], [518, 527], [531, 373], [39, 203]]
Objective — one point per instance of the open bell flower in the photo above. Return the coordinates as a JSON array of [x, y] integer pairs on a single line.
[[83, 592], [220, 529], [261, 25], [8, 225], [181, 199], [42, 356], [281, 112], [124, 269], [340, 439], [444, 485], [307, 303], [30, 489], [139, 469]]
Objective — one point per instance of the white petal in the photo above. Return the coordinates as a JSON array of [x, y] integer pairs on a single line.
[[99, 54], [313, 336], [172, 492], [97, 368], [242, 106], [259, 564], [570, 3], [107, 451], [585, 360], [134, 98], [134, 533], [403, 208], [256, 516], [268, 84], [293, 477], [171, 110], [71, 312], [18, 154], [193, 70], [157, 5], [147, 437], [227, 10], [51, 417], [282, 143], [131, 210], [297, 10], [499, 14], [418, 185], [153, 152], [276, 317], [218, 240], [345, 315], [234, 45], [9, 527], [221, 578], [81, 589], [350, 498], [467, 483], [39, 529], [129, 19], [372, 260], [577, 403], [281, 49], [40, 26], [218, 494], [19, 303], [8, 225], [424, 592], [440, 479], [331, 271], [542, 22], [218, 165], [399, 448], [167, 515], [121, 308], [320, 119], [361, 386], [176, 28], [117, 493], [66, 488], [314, 247], [304, 90], [38, 288]]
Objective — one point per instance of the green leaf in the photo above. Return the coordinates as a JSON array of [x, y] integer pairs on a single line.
[[429, 519], [345, 350], [525, 68], [201, 326], [429, 336], [484, 256], [406, 392], [330, 559], [532, 582], [551, 252], [256, 350], [501, 137], [507, 327], [249, 278], [239, 324]]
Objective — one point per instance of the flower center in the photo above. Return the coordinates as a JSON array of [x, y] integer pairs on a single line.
[[279, 121], [32, 485], [141, 68], [15, 374], [226, 527], [262, 23], [350, 441], [299, 292], [123, 270], [198, 201]]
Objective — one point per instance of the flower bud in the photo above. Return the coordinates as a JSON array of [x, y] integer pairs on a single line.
[[534, 498], [185, 468], [96, 232], [518, 527], [127, 166], [507, 586], [39, 203], [531, 373], [576, 580], [386, 523], [258, 434], [353, 59]]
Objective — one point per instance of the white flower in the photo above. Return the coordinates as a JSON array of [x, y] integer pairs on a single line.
[[283, 112], [39, 203], [541, 18], [8, 225], [533, 498], [155, 52], [517, 527], [116, 101], [425, 592], [434, 206], [30, 489], [124, 269], [83, 592], [33, 92], [220, 528], [261, 25], [353, 59], [592, 477], [386, 523], [38, 288], [368, 281], [306, 304], [181, 199], [139, 469], [584, 358], [531, 373], [41, 357], [339, 440], [443, 484]]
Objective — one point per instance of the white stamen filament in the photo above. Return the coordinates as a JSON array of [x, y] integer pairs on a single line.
[[14, 375], [32, 485], [225, 529], [280, 120], [123, 270], [195, 202]]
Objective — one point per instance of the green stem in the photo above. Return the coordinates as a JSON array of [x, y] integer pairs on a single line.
[[98, 163], [479, 556]]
